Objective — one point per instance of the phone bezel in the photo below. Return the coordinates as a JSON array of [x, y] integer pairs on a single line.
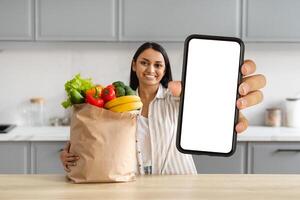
[[183, 80]]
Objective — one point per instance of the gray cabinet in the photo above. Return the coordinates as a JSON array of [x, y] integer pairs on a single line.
[[45, 157], [143, 20], [14, 157], [236, 164], [173, 20], [16, 20], [271, 20], [76, 20], [275, 158], [21, 157]]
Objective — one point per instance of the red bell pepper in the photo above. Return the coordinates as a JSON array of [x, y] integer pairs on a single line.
[[108, 93], [96, 101]]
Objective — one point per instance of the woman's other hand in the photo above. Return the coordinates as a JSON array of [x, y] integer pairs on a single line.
[[250, 92], [67, 158], [175, 88]]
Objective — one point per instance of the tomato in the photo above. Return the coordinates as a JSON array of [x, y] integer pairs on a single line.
[[108, 93]]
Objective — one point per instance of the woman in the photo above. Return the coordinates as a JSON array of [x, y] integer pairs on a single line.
[[152, 78]]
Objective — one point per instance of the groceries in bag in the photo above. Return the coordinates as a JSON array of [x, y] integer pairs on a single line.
[[102, 131]]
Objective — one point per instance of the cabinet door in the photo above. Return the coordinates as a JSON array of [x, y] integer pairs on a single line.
[[45, 157], [14, 157], [173, 20], [270, 158], [271, 20], [76, 20], [16, 20], [236, 164]]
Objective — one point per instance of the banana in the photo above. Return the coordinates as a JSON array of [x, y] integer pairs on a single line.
[[127, 106], [121, 100]]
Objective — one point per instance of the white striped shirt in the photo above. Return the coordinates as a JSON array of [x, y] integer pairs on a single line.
[[162, 118]]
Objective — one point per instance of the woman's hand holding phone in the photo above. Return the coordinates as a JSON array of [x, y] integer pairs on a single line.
[[249, 90]]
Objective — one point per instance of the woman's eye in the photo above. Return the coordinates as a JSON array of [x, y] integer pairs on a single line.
[[143, 63], [157, 65]]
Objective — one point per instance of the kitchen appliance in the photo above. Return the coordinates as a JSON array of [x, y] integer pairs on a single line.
[[5, 128]]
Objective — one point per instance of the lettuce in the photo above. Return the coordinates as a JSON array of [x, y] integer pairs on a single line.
[[79, 84]]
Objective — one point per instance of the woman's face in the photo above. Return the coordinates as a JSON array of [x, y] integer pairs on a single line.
[[149, 67]]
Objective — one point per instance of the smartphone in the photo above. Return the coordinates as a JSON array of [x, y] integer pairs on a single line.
[[208, 114]]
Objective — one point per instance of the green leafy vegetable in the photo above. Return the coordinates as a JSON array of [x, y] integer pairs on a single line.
[[76, 89]]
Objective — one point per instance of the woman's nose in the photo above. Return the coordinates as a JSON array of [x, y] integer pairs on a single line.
[[151, 68]]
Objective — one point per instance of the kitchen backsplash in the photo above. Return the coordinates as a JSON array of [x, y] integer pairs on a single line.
[[41, 69]]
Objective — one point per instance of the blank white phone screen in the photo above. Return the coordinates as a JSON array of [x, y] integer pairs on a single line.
[[210, 95]]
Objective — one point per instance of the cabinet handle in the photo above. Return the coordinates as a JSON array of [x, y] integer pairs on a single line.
[[288, 150]]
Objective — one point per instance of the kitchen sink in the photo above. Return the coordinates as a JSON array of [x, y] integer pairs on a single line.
[[5, 128]]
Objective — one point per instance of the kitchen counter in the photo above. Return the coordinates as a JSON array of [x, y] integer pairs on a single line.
[[264, 133], [237, 186], [45, 133], [253, 133]]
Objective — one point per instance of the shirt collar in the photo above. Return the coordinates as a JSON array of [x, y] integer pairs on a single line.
[[161, 92]]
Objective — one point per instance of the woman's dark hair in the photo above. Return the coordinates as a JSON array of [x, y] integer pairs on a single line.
[[134, 82]]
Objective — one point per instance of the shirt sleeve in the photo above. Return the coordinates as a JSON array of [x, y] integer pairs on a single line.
[[169, 93]]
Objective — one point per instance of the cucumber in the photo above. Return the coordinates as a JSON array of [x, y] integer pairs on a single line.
[[76, 97]]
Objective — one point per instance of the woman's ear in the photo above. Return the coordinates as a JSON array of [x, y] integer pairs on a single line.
[[133, 64]]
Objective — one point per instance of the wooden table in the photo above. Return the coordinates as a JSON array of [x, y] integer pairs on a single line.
[[154, 187]]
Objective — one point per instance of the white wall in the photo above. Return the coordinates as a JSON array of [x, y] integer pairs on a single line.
[[280, 64], [41, 69]]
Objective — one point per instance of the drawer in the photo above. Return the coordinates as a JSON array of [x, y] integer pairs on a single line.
[[235, 164], [279, 158]]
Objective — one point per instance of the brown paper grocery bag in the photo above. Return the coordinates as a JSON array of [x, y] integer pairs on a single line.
[[105, 142]]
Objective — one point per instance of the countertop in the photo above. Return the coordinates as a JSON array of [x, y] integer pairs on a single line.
[[45, 133], [253, 133], [202, 186]]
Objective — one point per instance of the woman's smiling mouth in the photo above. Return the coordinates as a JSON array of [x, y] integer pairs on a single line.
[[150, 77]]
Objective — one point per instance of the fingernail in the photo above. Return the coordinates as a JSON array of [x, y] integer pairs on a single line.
[[243, 102], [245, 69], [244, 88], [239, 128]]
